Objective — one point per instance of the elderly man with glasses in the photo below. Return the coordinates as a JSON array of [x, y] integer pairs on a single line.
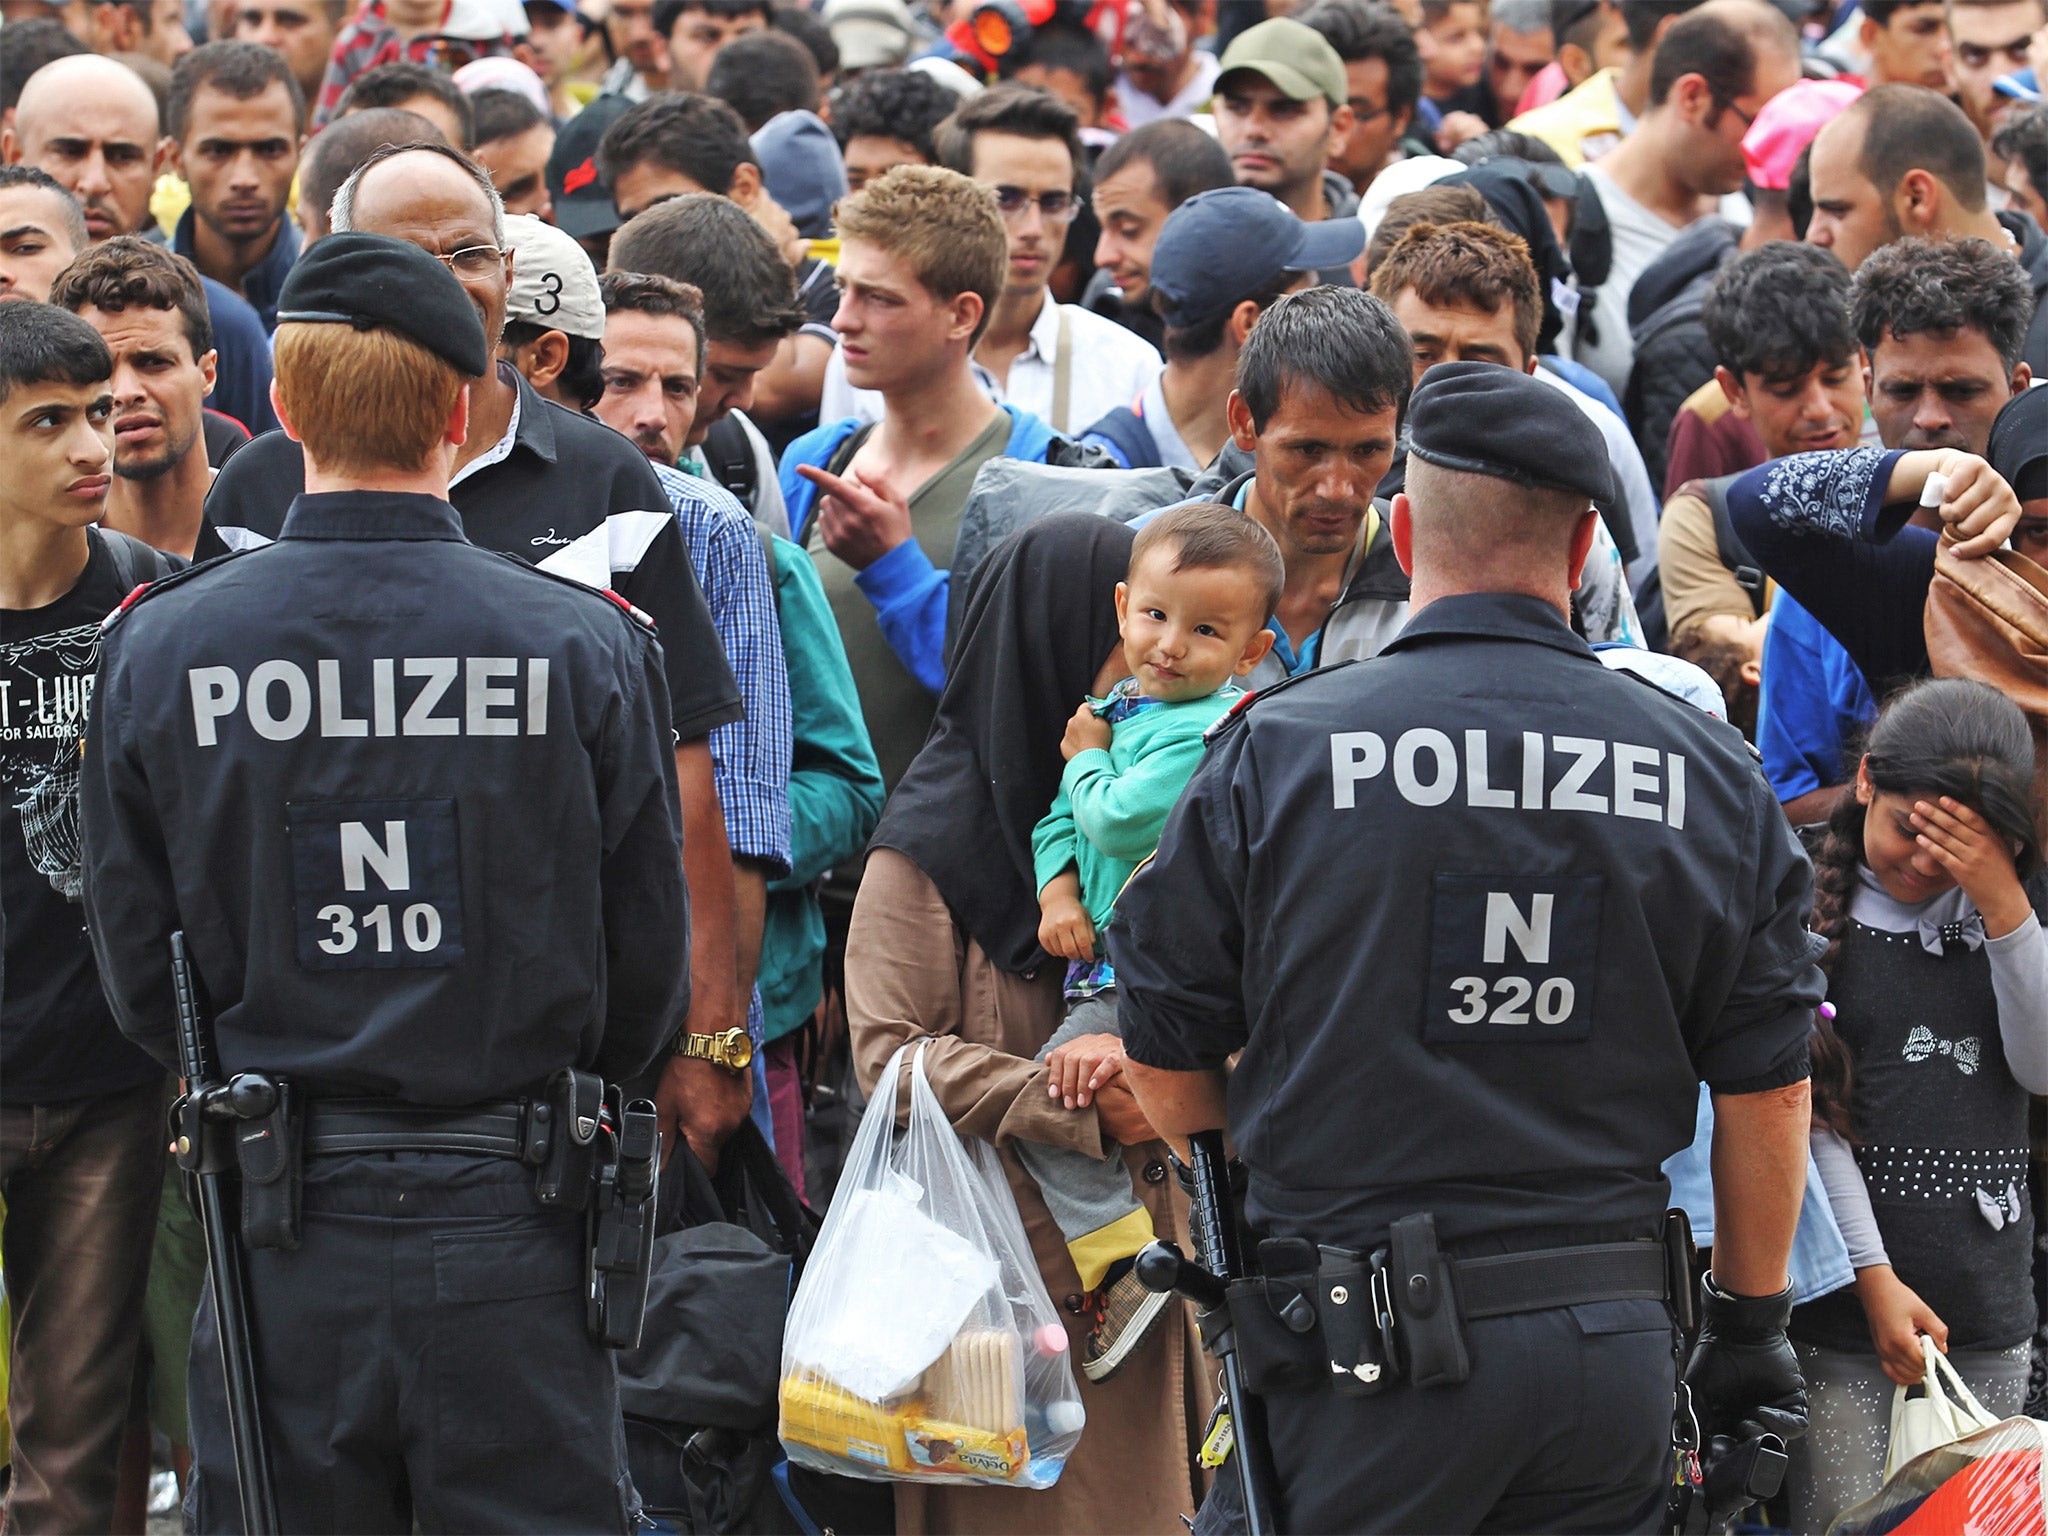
[[536, 480]]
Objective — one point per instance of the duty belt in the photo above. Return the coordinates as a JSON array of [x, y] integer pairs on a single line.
[[1499, 1285], [517, 1130], [1318, 1318]]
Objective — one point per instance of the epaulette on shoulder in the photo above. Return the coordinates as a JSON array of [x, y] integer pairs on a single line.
[[1693, 710], [1243, 706], [149, 589], [643, 619]]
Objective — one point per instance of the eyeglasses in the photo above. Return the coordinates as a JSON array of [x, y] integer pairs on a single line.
[[473, 260], [1057, 207], [1748, 118], [1363, 109]]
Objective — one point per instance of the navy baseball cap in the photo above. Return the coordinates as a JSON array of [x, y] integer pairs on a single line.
[[583, 202], [1220, 247]]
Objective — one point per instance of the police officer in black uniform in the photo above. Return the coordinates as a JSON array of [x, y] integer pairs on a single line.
[[1481, 915], [414, 806]]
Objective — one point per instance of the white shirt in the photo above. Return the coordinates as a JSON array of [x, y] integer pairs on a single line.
[[1174, 452], [1640, 237], [1639, 498], [1139, 108], [1109, 367]]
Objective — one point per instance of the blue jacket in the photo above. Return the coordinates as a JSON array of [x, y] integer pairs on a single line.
[[908, 591]]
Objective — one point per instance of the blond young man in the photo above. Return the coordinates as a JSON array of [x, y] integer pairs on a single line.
[[923, 255]]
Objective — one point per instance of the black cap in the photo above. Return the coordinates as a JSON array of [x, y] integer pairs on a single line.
[[374, 282], [1489, 420], [2019, 444], [583, 201]]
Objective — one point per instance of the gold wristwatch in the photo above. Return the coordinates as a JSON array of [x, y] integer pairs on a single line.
[[728, 1048]]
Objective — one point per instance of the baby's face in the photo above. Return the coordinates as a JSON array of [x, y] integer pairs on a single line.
[[1188, 632]]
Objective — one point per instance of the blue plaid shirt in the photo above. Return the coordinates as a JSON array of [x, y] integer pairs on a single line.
[[749, 758]]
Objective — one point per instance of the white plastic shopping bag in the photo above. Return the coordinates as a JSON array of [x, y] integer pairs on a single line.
[[922, 1343], [1945, 1411]]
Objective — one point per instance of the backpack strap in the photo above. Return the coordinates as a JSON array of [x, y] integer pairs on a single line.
[[1592, 259], [843, 455], [135, 563], [1728, 545], [729, 455], [1133, 439], [1063, 371]]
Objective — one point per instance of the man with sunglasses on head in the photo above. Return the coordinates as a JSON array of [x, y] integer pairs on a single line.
[[1060, 362], [561, 491]]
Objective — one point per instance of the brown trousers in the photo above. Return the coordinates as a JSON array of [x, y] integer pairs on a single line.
[[81, 1180], [912, 973]]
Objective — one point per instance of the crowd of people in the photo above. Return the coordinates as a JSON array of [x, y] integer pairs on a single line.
[[980, 414]]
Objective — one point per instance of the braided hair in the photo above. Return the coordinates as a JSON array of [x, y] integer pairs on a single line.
[[1943, 736]]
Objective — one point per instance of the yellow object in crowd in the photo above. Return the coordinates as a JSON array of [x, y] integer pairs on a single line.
[[962, 1420], [1581, 125]]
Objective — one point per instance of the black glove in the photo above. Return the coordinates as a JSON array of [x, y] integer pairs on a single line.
[[1744, 1378]]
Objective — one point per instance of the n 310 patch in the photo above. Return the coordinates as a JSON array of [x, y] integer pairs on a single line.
[[377, 884], [1513, 958]]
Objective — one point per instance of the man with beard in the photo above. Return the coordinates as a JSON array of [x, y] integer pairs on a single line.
[[149, 308], [237, 123], [91, 125]]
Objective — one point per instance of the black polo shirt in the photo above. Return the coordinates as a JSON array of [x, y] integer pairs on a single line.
[[572, 497], [1481, 915]]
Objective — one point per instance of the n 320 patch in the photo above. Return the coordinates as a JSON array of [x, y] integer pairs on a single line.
[[377, 884], [1513, 958]]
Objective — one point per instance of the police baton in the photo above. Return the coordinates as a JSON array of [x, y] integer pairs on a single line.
[[1161, 1267], [206, 1152]]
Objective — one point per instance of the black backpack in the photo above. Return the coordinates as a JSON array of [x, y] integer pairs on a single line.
[[699, 1393]]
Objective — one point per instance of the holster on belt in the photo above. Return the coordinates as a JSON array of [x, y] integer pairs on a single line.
[[575, 1105], [1419, 1276], [269, 1152], [1274, 1315], [1324, 1318], [621, 1227], [1358, 1327]]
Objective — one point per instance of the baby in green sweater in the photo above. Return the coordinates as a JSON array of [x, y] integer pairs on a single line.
[[1193, 613]]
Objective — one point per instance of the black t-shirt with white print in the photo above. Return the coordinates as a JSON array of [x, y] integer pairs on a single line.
[[57, 1036]]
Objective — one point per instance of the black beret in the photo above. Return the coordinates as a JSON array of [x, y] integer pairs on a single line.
[[1489, 420], [374, 282]]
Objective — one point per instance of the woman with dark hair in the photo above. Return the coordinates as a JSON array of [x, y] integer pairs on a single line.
[[1928, 889], [944, 949]]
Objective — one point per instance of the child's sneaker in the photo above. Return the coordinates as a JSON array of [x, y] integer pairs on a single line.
[[1126, 1313]]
